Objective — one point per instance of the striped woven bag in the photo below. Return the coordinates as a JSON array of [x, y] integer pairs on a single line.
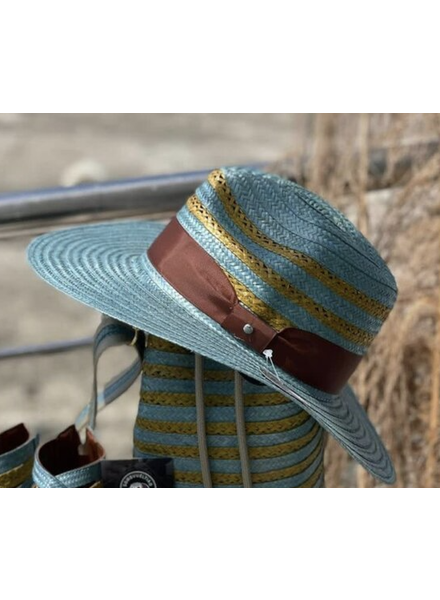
[[66, 461], [220, 429], [17, 449]]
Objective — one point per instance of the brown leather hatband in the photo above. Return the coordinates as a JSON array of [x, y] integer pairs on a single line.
[[196, 276]]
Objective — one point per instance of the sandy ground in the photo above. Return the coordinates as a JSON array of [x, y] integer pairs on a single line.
[[47, 392]]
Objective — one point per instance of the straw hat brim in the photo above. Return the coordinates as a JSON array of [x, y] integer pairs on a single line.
[[106, 267]]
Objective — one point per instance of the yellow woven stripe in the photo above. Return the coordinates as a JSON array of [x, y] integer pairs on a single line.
[[311, 481], [257, 306], [218, 181], [211, 400], [156, 343], [174, 372], [268, 476], [98, 484], [230, 453], [17, 476], [224, 428], [344, 328]]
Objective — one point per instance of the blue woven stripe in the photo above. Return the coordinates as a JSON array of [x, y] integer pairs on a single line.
[[186, 386], [321, 481], [292, 482], [172, 359], [291, 272], [284, 483], [183, 386], [84, 476], [222, 441], [27, 484], [215, 414], [299, 316], [225, 388], [336, 236], [111, 330], [18, 456], [234, 466], [111, 392]]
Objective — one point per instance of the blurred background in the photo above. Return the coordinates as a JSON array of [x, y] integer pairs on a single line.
[[382, 170]]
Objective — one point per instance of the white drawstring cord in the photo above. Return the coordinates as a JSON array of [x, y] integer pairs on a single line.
[[241, 431], [201, 424]]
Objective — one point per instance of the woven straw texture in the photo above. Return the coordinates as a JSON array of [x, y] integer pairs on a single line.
[[293, 259], [285, 443], [16, 465]]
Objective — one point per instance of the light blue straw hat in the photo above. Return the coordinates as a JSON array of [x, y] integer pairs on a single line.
[[255, 273]]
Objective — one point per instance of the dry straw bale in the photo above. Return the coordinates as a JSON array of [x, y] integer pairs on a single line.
[[384, 172]]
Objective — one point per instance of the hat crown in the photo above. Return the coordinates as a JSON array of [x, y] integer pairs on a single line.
[[293, 259]]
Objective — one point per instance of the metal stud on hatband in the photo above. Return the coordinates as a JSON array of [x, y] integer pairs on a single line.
[[248, 329]]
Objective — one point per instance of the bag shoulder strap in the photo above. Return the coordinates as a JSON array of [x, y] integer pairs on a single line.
[[109, 334]]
